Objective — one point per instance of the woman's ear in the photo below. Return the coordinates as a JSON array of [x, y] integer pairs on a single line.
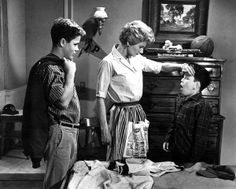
[[128, 44]]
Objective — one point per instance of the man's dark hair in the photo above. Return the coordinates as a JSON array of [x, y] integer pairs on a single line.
[[65, 28], [201, 75]]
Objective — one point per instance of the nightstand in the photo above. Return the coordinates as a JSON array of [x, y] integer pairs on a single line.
[[6, 119]]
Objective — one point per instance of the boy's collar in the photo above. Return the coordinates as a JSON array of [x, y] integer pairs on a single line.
[[52, 55], [193, 97]]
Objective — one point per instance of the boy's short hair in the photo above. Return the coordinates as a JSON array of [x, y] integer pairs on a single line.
[[201, 75], [65, 28], [136, 32]]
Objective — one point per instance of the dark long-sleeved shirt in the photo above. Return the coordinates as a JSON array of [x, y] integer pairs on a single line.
[[189, 133]]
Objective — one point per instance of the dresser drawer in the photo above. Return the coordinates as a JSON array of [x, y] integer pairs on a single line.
[[160, 124], [213, 130], [156, 141], [160, 118], [159, 128], [160, 104], [214, 104], [213, 89], [211, 144], [170, 86], [152, 104], [161, 86], [215, 71]]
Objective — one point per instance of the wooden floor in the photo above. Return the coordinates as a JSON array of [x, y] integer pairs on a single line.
[[16, 172]]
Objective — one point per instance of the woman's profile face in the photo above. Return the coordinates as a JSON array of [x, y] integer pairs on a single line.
[[133, 50]]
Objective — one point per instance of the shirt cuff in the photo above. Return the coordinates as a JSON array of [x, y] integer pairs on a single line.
[[101, 94]]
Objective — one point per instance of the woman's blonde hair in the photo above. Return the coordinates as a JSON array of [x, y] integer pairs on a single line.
[[136, 32]]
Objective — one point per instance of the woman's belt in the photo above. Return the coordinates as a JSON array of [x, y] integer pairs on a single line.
[[126, 103]]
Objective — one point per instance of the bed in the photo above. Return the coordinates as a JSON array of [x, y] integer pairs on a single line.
[[145, 175]]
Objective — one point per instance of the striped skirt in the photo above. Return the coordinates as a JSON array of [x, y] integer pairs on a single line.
[[120, 116]]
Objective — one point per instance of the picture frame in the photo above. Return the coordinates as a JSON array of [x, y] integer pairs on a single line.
[[177, 20]]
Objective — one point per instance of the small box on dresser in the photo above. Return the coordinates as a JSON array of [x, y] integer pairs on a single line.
[[158, 101]]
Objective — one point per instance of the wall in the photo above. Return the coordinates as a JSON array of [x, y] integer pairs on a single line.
[[13, 64], [221, 28], [2, 45], [39, 18], [15, 68]]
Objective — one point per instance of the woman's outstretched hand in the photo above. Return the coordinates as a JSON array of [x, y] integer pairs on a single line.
[[188, 69]]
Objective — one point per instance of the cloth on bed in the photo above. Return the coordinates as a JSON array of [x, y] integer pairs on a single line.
[[213, 171], [218, 171], [148, 167], [95, 175], [188, 179]]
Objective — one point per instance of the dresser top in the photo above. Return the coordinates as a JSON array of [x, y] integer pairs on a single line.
[[186, 59]]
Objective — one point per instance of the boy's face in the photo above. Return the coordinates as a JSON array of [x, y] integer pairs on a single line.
[[188, 85], [71, 48]]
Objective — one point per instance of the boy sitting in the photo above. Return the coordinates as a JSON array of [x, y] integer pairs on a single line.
[[187, 139]]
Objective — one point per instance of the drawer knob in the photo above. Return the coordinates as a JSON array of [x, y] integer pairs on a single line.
[[211, 87]]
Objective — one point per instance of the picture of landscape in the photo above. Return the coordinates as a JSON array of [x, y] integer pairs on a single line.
[[177, 17]]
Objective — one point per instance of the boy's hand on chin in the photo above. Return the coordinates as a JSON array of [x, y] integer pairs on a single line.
[[69, 66]]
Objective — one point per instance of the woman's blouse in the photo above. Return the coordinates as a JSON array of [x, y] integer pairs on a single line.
[[120, 79]]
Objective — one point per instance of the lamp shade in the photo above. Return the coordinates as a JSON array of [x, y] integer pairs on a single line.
[[100, 13]]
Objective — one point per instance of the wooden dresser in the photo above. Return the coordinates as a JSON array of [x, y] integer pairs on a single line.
[[158, 101]]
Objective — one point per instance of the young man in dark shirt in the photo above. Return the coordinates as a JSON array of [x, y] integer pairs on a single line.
[[187, 139], [51, 111]]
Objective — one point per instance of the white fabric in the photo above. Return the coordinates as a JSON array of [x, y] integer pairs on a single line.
[[147, 167]]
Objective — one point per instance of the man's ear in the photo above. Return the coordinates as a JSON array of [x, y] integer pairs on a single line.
[[198, 85], [62, 42]]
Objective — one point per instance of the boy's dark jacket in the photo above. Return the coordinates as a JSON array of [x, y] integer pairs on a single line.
[[35, 125]]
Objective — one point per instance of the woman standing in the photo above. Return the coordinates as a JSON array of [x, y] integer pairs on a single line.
[[120, 85]]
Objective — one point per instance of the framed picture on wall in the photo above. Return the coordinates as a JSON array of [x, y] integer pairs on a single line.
[[178, 17], [177, 20]]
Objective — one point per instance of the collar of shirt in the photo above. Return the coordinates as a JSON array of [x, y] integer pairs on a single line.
[[57, 58], [194, 97], [116, 54]]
